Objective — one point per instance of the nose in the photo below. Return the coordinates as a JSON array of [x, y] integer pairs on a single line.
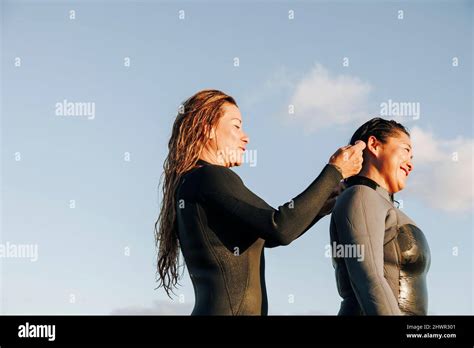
[[410, 166], [245, 138]]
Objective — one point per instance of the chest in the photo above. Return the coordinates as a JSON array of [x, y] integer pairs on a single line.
[[407, 248]]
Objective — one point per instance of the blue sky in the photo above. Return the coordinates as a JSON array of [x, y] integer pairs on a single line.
[[82, 266]]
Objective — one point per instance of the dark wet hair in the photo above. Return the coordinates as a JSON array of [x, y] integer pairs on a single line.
[[379, 128]]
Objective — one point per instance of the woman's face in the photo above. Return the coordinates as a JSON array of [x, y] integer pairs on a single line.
[[228, 139], [394, 161]]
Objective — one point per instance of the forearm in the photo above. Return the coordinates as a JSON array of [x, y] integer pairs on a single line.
[[301, 213]]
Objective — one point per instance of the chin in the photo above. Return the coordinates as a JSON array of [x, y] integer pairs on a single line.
[[234, 164], [401, 186]]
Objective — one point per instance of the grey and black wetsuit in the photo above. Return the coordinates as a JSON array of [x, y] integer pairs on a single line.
[[390, 277], [223, 228]]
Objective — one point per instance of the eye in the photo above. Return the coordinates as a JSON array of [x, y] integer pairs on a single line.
[[236, 126]]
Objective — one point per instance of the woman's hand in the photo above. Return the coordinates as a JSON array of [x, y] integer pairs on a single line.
[[348, 159]]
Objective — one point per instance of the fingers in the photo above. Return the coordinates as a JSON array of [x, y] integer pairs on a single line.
[[345, 147], [349, 159], [357, 150], [359, 145]]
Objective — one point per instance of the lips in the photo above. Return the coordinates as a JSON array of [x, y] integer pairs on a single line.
[[404, 170]]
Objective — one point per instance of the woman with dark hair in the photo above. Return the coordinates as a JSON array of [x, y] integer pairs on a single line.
[[221, 226], [388, 274]]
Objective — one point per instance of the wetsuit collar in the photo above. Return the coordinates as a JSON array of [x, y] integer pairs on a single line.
[[201, 161], [362, 180]]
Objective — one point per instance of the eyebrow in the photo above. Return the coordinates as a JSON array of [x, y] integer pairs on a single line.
[[411, 157], [238, 119]]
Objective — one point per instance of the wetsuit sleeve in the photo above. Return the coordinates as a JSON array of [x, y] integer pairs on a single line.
[[223, 190], [360, 218]]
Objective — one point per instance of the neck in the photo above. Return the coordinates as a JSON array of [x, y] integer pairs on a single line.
[[372, 173], [212, 157]]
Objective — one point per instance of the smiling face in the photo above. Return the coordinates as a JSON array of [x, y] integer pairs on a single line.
[[227, 141], [393, 160]]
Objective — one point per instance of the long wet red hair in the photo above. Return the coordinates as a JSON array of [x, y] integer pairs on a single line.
[[194, 121]]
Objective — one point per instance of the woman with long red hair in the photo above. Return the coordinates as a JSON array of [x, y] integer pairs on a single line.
[[220, 226]]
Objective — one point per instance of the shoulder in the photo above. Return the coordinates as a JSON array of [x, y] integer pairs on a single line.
[[359, 199], [212, 178], [358, 193]]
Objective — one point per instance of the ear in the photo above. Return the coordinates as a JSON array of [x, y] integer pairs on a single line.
[[211, 134], [373, 146]]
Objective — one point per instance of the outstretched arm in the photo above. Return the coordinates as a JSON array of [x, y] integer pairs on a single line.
[[224, 190]]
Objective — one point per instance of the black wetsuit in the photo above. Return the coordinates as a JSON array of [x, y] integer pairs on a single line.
[[223, 228], [390, 277]]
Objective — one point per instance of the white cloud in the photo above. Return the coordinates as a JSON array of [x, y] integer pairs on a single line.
[[426, 146], [438, 178], [322, 100]]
